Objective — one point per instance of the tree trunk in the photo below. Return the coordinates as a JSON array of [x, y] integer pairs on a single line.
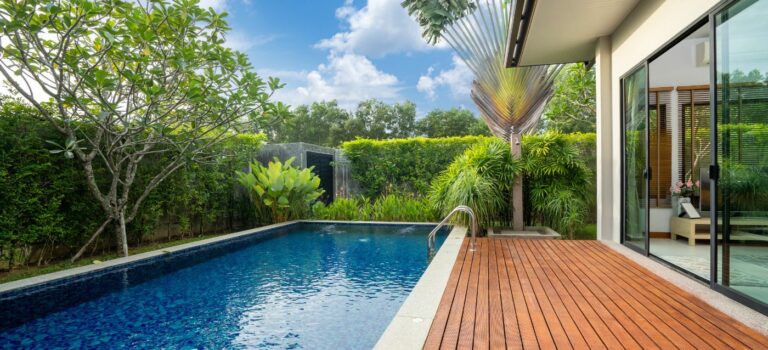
[[517, 188], [122, 236], [93, 237]]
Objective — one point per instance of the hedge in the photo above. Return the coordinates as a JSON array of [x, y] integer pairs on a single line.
[[410, 164], [402, 165], [46, 210]]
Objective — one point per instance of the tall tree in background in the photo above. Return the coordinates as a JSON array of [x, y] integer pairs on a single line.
[[572, 107], [327, 124], [321, 123], [452, 122], [126, 81], [375, 119]]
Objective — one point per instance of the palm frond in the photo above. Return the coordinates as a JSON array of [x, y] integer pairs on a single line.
[[508, 98]]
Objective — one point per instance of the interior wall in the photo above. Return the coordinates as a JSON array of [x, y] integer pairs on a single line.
[[647, 28]]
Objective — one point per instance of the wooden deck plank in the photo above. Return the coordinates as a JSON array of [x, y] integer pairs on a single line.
[[714, 317], [453, 326], [512, 332], [495, 305], [648, 325], [435, 335], [599, 324], [537, 336], [467, 330], [619, 337], [526, 294], [482, 329], [669, 296], [693, 335], [552, 314], [586, 336], [625, 303]]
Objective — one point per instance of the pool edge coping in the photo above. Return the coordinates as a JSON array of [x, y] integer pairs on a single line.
[[117, 262], [86, 269], [409, 328]]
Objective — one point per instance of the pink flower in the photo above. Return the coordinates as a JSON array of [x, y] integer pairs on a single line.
[[698, 183], [689, 184], [679, 184], [676, 190]]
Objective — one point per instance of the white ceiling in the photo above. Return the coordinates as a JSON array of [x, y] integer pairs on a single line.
[[565, 31]]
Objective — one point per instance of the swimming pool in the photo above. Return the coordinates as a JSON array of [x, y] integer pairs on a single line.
[[300, 286]]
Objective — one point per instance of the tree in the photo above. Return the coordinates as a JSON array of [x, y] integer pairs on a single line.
[[452, 122], [322, 123], [434, 15], [126, 81], [377, 120], [572, 107]]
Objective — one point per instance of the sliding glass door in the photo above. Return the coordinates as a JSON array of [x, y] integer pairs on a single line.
[[634, 135], [695, 119], [741, 32]]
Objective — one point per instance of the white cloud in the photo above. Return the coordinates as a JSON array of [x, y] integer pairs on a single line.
[[381, 27], [240, 41], [458, 79], [347, 78]]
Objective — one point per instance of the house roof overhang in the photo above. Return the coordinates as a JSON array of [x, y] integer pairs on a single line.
[[561, 31]]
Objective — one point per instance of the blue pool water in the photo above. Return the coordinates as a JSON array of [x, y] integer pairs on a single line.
[[311, 286]]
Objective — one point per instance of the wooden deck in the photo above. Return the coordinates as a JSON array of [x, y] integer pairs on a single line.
[[546, 294]]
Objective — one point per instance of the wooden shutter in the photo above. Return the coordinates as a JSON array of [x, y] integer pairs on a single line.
[[660, 146]]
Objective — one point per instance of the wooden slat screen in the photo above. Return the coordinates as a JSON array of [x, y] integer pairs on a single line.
[[694, 141], [660, 148]]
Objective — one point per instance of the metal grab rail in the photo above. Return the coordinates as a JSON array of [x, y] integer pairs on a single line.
[[473, 228]]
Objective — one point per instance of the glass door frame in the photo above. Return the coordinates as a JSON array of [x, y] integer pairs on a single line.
[[714, 172], [646, 178]]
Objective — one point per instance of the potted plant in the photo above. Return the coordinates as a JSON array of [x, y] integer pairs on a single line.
[[682, 193]]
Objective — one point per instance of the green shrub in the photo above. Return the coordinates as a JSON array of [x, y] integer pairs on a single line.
[[559, 181], [401, 208], [282, 190], [345, 209], [482, 179], [44, 200], [402, 165], [391, 207], [47, 211]]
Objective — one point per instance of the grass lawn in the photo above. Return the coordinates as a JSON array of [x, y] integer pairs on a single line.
[[30, 271], [588, 231]]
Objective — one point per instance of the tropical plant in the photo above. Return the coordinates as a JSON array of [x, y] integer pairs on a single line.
[[345, 209], [393, 207], [282, 190], [480, 178], [390, 207], [510, 100], [151, 77], [559, 182]]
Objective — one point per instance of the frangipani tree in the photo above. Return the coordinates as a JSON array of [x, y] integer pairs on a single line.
[[124, 81]]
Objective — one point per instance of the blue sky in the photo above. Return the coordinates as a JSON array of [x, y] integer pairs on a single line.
[[345, 50]]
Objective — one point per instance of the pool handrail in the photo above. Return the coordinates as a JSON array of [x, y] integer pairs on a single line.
[[461, 208]]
